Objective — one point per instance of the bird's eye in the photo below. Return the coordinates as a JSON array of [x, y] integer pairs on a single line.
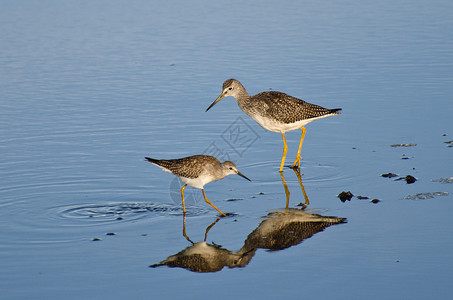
[[230, 88], [231, 168]]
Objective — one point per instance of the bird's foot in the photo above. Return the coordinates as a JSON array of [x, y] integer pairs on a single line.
[[296, 164]]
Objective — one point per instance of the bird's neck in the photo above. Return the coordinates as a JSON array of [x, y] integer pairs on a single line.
[[242, 96]]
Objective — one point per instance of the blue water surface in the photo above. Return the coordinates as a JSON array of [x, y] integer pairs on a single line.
[[89, 88]]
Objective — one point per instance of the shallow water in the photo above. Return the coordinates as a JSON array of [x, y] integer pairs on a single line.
[[89, 89]]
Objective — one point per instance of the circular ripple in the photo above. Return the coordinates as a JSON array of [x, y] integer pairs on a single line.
[[312, 172], [123, 211]]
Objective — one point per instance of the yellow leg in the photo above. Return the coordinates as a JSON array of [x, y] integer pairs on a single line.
[[209, 228], [286, 190], [307, 202], [209, 202], [182, 196], [285, 148], [184, 228], [298, 158]]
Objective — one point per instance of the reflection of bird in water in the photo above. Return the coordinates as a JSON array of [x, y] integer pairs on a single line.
[[204, 257], [286, 228], [276, 111], [297, 171], [280, 230], [197, 171]]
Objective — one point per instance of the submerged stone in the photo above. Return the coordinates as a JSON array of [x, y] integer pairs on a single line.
[[389, 175], [423, 196], [403, 145], [345, 196], [444, 180], [410, 179]]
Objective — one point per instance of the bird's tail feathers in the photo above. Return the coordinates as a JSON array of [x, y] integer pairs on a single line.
[[151, 160]]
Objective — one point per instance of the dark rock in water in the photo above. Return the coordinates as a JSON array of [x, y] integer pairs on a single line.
[[421, 196], [403, 145], [302, 205], [410, 179], [389, 175], [375, 201], [362, 197], [345, 196], [229, 215], [234, 199], [110, 233], [444, 180], [96, 239]]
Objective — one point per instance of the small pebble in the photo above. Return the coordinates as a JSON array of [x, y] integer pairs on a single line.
[[375, 201], [362, 197], [96, 239], [110, 233]]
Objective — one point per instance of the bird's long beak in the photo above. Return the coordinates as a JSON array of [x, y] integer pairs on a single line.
[[242, 175], [216, 100]]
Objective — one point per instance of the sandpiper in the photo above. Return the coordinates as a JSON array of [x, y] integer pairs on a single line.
[[197, 171], [276, 111]]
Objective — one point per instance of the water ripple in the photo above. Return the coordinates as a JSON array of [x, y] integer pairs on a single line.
[[122, 211]]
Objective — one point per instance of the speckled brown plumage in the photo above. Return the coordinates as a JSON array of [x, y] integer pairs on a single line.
[[284, 108], [202, 257], [189, 167], [276, 111], [275, 105], [287, 228], [197, 171]]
